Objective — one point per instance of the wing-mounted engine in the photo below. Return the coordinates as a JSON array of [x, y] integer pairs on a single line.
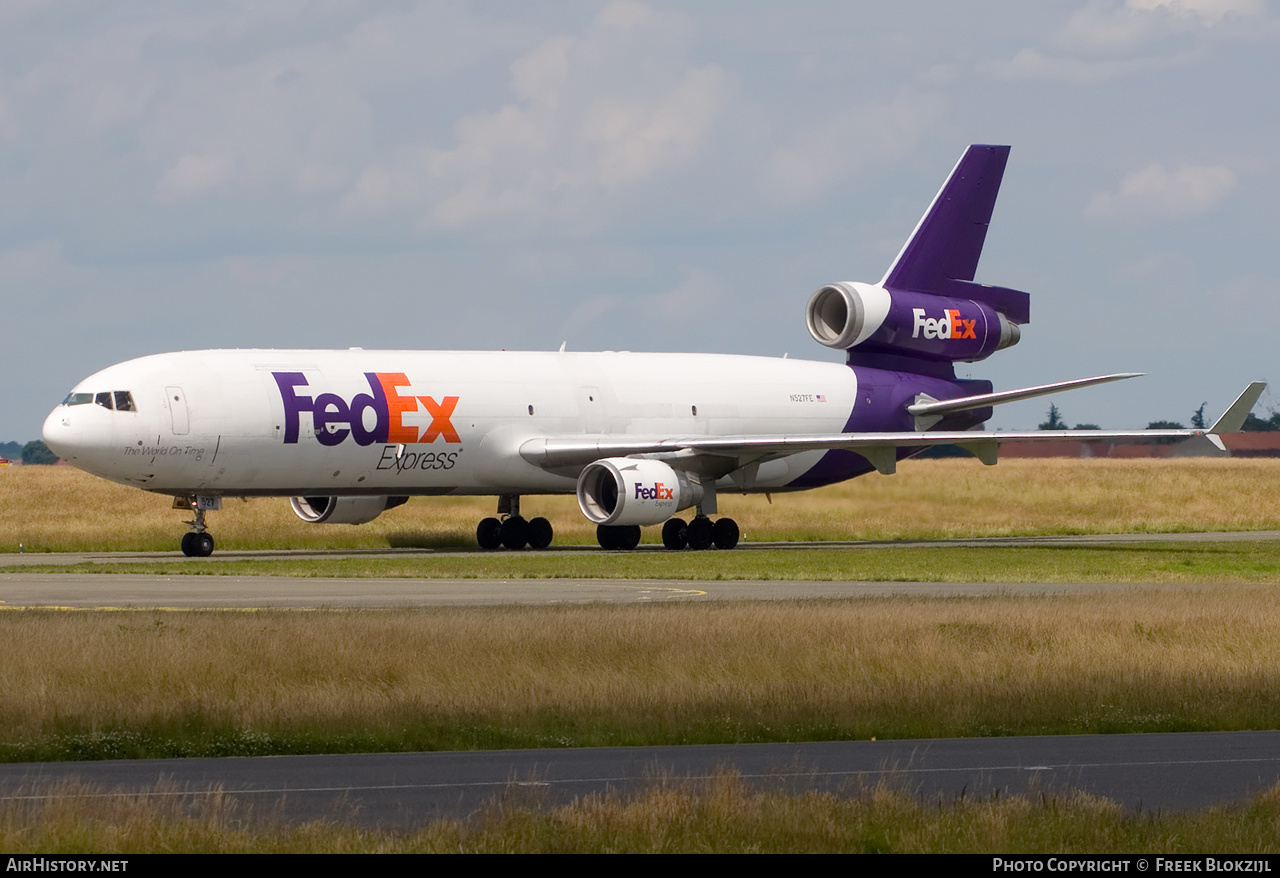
[[343, 510], [625, 491], [873, 319]]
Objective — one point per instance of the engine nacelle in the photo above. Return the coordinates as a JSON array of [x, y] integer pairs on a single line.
[[343, 510], [873, 319], [624, 490]]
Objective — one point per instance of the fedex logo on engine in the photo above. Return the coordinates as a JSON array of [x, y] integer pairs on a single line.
[[658, 492], [951, 326], [334, 418]]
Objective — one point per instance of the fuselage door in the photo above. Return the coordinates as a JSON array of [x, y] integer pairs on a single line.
[[177, 400]]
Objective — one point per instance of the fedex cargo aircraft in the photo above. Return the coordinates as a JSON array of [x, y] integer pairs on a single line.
[[640, 438]]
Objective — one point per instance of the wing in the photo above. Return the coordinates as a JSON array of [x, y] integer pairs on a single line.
[[720, 455]]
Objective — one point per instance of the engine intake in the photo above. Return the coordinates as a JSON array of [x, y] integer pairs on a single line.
[[343, 510], [624, 490]]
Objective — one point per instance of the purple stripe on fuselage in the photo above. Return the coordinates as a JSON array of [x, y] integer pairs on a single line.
[[881, 407]]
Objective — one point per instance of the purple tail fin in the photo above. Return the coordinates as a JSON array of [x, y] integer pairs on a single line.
[[941, 256]]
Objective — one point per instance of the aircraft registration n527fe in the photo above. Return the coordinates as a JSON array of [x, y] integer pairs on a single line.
[[639, 437]]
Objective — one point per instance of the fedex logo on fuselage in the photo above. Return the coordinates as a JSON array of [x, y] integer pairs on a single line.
[[951, 326], [658, 492], [348, 418]]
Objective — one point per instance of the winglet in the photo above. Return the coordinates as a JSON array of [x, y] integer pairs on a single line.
[[1232, 420]]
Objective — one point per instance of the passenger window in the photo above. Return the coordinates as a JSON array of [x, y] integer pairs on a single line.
[[124, 401], [103, 399]]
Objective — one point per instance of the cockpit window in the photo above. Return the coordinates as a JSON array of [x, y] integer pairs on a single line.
[[117, 400]]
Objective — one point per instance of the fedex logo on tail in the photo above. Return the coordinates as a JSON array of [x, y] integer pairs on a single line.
[[951, 326], [329, 410]]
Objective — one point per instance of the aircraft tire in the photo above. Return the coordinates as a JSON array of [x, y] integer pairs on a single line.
[[606, 537], [699, 533], [618, 536], [202, 544], [540, 533], [515, 533], [188, 547], [673, 534], [489, 533], [725, 533]]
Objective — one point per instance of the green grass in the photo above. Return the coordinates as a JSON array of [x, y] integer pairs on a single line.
[[1208, 562]]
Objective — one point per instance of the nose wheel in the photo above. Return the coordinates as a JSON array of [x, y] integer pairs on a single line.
[[198, 542], [197, 545]]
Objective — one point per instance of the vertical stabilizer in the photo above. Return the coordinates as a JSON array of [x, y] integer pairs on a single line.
[[948, 240]]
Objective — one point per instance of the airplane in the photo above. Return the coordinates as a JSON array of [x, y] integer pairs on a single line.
[[638, 437]]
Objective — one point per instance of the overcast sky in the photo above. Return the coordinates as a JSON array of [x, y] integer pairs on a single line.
[[639, 176]]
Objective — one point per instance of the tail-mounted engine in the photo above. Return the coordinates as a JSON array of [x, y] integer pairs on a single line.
[[624, 490], [877, 320], [343, 510]]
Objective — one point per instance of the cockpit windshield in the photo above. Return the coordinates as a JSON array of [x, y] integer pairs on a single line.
[[117, 400]]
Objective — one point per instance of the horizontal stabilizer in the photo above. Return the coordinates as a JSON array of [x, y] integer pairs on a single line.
[[937, 408], [1232, 420]]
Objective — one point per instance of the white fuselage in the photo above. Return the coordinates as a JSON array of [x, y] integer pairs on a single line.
[[355, 422]]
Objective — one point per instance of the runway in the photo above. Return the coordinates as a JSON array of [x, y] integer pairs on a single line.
[[1158, 772], [84, 590], [1152, 772]]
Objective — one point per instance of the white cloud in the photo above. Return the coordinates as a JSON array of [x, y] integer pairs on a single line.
[[1155, 190], [1104, 39], [194, 174], [1206, 12], [1106, 27], [825, 154], [1035, 64], [595, 115]]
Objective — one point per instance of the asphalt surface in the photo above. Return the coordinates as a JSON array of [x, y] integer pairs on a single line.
[[1159, 772], [88, 589]]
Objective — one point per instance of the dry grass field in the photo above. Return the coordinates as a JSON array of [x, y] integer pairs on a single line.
[[723, 815], [147, 683], [61, 509]]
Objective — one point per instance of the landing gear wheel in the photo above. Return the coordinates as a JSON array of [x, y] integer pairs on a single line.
[[515, 532], [188, 548], [489, 533], [618, 536], [540, 533], [673, 534], [725, 533], [698, 533], [202, 544]]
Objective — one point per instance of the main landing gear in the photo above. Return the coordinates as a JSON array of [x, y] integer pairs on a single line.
[[701, 533], [512, 531], [198, 542]]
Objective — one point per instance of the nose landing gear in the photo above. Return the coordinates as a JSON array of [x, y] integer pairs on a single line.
[[198, 542]]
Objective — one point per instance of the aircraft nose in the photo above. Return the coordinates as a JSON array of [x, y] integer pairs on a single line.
[[60, 432]]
